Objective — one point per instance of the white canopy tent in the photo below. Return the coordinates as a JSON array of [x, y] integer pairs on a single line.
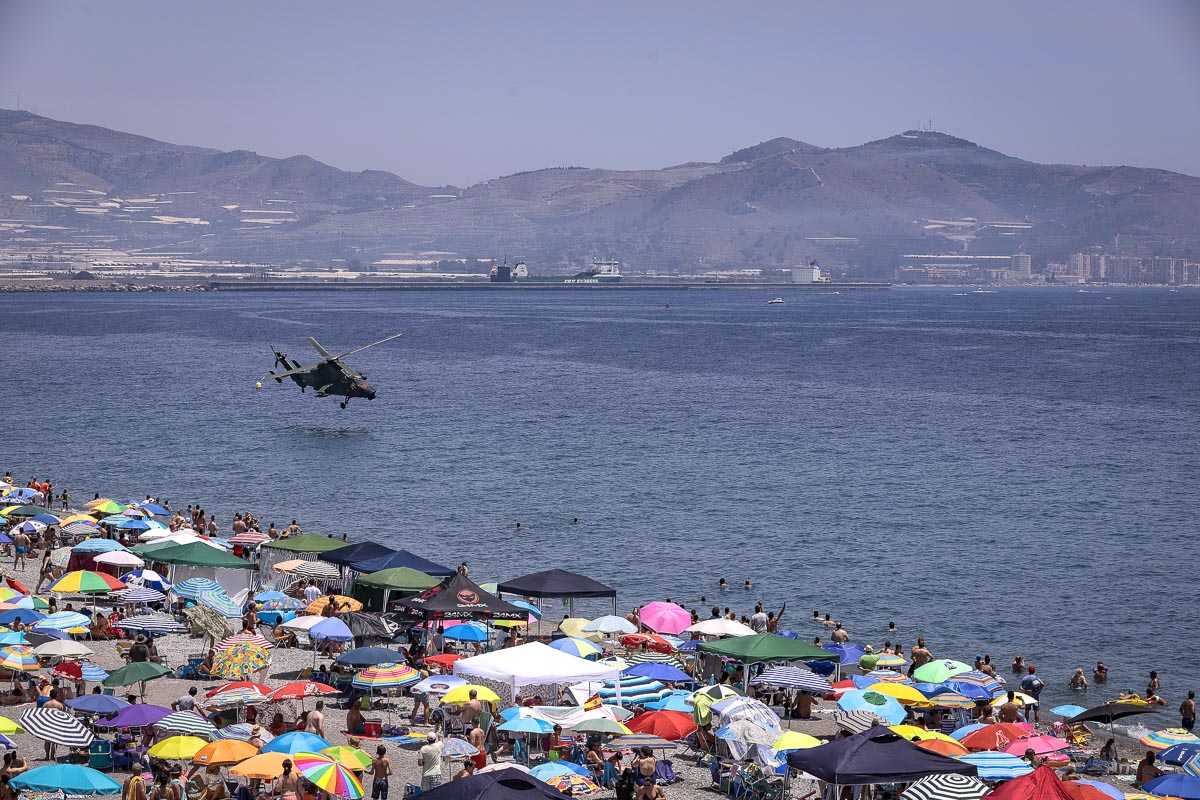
[[533, 663]]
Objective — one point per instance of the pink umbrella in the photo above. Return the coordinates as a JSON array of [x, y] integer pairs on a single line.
[[1041, 745], [665, 617]]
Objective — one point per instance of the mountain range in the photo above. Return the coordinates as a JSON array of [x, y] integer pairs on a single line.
[[773, 204]]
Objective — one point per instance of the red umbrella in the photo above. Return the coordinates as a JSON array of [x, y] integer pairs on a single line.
[[298, 690], [993, 737], [670, 725], [17, 586], [444, 660], [68, 669], [651, 641], [260, 688], [840, 687], [1082, 791], [1041, 784]]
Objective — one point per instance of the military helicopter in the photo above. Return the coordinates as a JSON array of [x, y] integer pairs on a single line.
[[329, 376]]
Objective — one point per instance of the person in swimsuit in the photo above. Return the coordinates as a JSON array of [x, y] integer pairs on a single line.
[[287, 785], [381, 770]]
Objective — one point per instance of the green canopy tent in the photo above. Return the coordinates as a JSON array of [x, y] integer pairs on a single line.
[[199, 555], [374, 587], [304, 543]]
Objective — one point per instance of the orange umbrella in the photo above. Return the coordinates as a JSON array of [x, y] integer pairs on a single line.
[[225, 751], [942, 746], [993, 737]]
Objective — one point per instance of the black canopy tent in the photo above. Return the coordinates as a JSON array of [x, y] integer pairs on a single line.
[[504, 784], [457, 597], [877, 755], [558, 583]]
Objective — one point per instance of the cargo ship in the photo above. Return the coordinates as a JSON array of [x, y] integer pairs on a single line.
[[601, 271]]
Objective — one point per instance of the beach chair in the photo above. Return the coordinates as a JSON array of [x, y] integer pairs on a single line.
[[100, 755]]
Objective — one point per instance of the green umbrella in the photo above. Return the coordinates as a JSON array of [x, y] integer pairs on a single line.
[[24, 511], [765, 647], [702, 709], [939, 671], [134, 672]]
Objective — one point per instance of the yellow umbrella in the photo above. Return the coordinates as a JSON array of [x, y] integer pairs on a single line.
[[795, 740], [264, 766], [911, 732], [461, 694], [349, 757], [1020, 698], [346, 603], [76, 518], [906, 695], [178, 747], [509, 623], [10, 726], [573, 626]]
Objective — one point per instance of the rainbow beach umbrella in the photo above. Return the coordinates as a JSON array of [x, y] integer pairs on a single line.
[[83, 581], [350, 757], [328, 775], [1161, 740], [18, 658], [386, 676]]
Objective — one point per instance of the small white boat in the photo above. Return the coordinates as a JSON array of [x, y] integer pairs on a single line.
[[959, 294], [984, 291], [1081, 291], [775, 301]]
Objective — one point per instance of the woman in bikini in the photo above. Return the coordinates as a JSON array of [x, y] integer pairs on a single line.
[[287, 785]]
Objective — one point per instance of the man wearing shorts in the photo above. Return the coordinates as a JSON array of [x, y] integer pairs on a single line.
[[430, 761], [381, 769]]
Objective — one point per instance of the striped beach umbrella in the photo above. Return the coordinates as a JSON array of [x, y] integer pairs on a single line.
[[890, 661], [220, 602], [354, 759], [952, 700], [189, 723], [63, 621], [244, 638], [634, 741], [84, 581], [321, 570], [62, 648], [147, 578], [794, 678], [261, 688], [1161, 740], [236, 697], [581, 648], [249, 538], [328, 775], [139, 594], [241, 732], [106, 506], [857, 721], [996, 766], [191, 588], [641, 657], [240, 661], [946, 787], [91, 672], [386, 676], [56, 726], [178, 748], [298, 690], [151, 623], [990, 683], [18, 658], [80, 528], [458, 748], [888, 676], [98, 545]]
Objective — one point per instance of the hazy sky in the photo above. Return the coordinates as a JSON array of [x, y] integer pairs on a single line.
[[457, 92]]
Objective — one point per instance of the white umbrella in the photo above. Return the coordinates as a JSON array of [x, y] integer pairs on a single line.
[[121, 558], [305, 622], [720, 626], [62, 648], [610, 624], [152, 534]]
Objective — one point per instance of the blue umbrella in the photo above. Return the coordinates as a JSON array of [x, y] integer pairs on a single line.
[[155, 509], [93, 673], [4, 537], [971, 691], [526, 725], [191, 588], [147, 578], [881, 705], [467, 632], [7, 743], [847, 653], [219, 602], [1179, 754], [690, 644], [659, 672], [996, 766], [959, 733], [552, 769], [25, 615], [672, 702], [134, 525], [62, 621], [534, 611], [332, 629], [46, 519], [580, 648], [70, 778], [12, 637], [295, 742], [932, 689], [102, 704], [510, 713], [1068, 711], [98, 545], [1175, 785], [788, 634], [369, 657]]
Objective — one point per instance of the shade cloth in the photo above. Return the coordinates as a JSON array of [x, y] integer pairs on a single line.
[[877, 755]]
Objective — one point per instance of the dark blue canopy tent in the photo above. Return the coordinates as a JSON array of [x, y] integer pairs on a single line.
[[345, 556], [877, 755], [504, 784], [401, 558]]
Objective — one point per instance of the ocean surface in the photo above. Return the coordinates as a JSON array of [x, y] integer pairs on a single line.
[[1002, 473]]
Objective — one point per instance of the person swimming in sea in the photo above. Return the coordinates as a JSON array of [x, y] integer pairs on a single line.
[[746, 585], [721, 584]]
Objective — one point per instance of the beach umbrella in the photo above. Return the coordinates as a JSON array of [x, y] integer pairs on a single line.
[[177, 748], [191, 588], [296, 742], [249, 538], [190, 723], [106, 506], [63, 621], [18, 658], [670, 725], [642, 656], [72, 779], [147, 578], [264, 766], [1175, 785], [912, 732], [610, 625], [890, 661], [438, 684], [136, 672], [794, 678], [9, 726], [634, 741], [795, 740], [857, 721], [526, 725], [369, 657], [996, 766], [80, 528], [56, 726], [298, 690], [246, 696], [600, 725], [224, 752], [354, 759], [12, 637], [29, 602], [139, 595], [346, 603], [83, 581], [720, 626], [1161, 740], [119, 558], [445, 660], [658, 671], [552, 769], [62, 648], [328, 775], [646, 642], [672, 701], [1067, 710], [458, 748], [946, 787], [320, 570], [240, 661], [461, 694], [151, 623], [467, 632], [261, 688], [905, 695], [98, 545], [101, 704], [574, 627], [940, 671], [334, 630], [242, 732], [951, 700], [386, 676], [664, 617], [501, 767], [635, 690], [13, 512], [218, 601], [573, 783], [1111, 791], [747, 732], [943, 747], [135, 716], [887, 676], [716, 693], [1179, 754], [11, 616], [281, 603], [996, 736], [887, 708], [244, 638]]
